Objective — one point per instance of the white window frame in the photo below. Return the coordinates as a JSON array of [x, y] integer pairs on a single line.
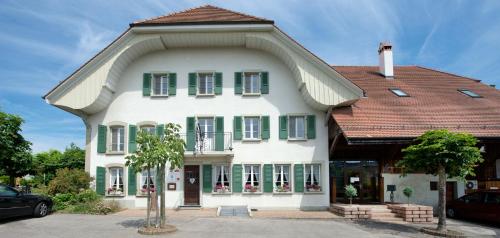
[[276, 188], [311, 171], [223, 168], [259, 129], [163, 85], [153, 130], [252, 175], [142, 180], [205, 126], [255, 91], [119, 138], [198, 78], [119, 174], [296, 127]]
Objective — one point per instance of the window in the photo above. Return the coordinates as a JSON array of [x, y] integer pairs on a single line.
[[206, 83], [221, 179], [144, 181], [296, 127], [434, 186], [160, 84], [115, 181], [313, 176], [492, 198], [206, 126], [473, 198], [281, 178], [469, 93], [399, 92], [7, 192], [251, 83], [149, 129], [252, 178], [117, 139], [252, 127]]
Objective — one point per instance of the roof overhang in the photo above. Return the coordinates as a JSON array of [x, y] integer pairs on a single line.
[[90, 89]]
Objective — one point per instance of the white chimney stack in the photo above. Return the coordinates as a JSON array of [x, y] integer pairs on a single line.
[[386, 65]]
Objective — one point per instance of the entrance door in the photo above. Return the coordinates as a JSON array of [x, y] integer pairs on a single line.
[[450, 191], [192, 185], [363, 175]]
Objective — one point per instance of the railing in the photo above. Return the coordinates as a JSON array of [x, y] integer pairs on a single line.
[[208, 142]]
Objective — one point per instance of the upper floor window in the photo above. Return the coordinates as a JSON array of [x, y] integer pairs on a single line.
[[117, 138], [251, 83], [160, 84], [296, 127], [252, 127], [206, 126], [115, 181], [205, 83], [399, 92], [469, 93]]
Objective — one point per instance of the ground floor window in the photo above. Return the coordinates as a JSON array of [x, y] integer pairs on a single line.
[[221, 179], [252, 178], [282, 178], [115, 181], [144, 181], [312, 173]]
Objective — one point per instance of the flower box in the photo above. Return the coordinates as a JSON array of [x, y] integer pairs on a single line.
[[222, 189], [283, 189], [313, 188], [251, 189], [115, 192]]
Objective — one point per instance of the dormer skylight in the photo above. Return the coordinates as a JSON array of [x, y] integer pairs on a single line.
[[399, 92], [469, 93]]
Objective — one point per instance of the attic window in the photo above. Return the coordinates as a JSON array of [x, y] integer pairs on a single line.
[[469, 93], [399, 92]]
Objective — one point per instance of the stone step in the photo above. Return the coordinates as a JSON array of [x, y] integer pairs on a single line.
[[388, 219], [381, 210], [383, 215], [190, 207]]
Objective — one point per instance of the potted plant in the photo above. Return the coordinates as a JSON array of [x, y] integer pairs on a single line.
[[350, 192], [313, 188], [250, 188], [285, 188], [408, 192]]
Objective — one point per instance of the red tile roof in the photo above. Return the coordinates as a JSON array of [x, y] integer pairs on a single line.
[[203, 15], [434, 102]]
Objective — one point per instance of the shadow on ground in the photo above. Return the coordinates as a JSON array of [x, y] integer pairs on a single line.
[[387, 226], [132, 223]]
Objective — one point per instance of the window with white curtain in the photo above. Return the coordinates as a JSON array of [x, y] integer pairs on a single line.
[[150, 129], [117, 139], [144, 180], [252, 178], [160, 84], [282, 178], [115, 181], [296, 127], [251, 82], [252, 127], [313, 177], [206, 83], [207, 126], [221, 175]]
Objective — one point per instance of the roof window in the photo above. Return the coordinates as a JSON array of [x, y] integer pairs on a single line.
[[469, 93], [399, 92]]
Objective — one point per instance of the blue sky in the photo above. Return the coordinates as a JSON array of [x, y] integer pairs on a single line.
[[42, 42]]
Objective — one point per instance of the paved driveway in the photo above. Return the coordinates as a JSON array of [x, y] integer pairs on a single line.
[[76, 226]]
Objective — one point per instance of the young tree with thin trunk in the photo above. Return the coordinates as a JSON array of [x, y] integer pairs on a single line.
[[445, 154]]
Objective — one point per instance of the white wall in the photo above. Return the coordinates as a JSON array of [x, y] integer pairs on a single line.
[[131, 107], [420, 183]]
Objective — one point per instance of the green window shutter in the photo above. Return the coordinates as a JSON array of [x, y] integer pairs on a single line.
[[237, 127], [146, 84], [298, 172], [283, 127], [237, 178], [192, 84], [311, 126], [264, 83], [100, 181], [218, 83], [132, 136], [268, 178], [265, 134], [238, 84], [207, 178], [101, 138], [132, 181], [190, 133], [219, 133], [159, 130], [172, 84]]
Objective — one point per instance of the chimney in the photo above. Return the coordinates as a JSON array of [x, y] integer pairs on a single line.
[[385, 63]]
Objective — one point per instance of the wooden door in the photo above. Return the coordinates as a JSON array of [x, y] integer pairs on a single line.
[[192, 185], [450, 191]]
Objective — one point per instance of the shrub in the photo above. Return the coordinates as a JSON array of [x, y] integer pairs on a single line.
[[408, 192], [69, 181], [85, 202], [4, 179], [350, 192], [62, 201]]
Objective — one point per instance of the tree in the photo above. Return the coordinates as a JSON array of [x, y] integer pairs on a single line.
[[442, 153], [350, 192], [155, 151], [45, 164], [408, 192], [73, 157], [15, 151]]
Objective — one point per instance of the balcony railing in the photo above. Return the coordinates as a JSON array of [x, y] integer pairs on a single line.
[[208, 142]]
